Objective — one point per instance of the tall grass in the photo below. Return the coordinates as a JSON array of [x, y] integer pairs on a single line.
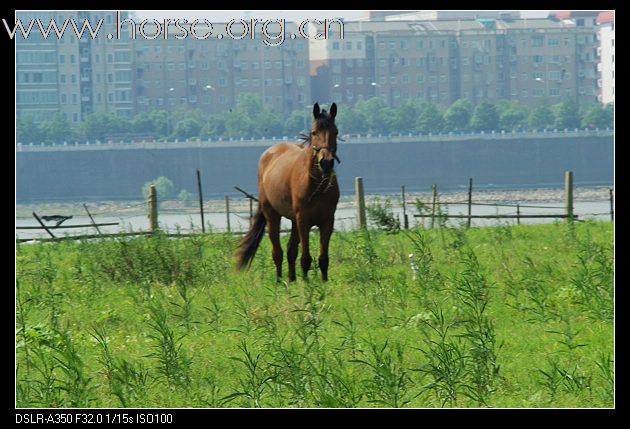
[[488, 317]]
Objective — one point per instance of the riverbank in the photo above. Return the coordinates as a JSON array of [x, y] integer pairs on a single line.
[[241, 204]]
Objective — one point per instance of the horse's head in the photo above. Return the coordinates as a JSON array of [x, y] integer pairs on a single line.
[[323, 138]]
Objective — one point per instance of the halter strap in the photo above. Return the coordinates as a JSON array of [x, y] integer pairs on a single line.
[[318, 148]]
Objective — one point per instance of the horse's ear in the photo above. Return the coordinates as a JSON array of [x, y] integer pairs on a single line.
[[316, 110], [333, 110]]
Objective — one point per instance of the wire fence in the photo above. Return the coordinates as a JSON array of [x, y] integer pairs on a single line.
[[176, 218]]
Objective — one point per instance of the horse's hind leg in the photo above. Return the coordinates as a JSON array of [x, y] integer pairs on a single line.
[[325, 232], [273, 226], [292, 250]]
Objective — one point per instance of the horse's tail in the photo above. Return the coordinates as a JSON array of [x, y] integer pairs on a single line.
[[249, 244]]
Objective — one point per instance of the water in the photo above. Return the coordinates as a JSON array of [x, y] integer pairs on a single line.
[[345, 219]]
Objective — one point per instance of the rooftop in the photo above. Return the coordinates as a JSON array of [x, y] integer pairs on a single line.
[[606, 17]]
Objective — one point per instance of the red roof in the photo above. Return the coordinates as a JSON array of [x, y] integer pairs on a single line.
[[606, 17], [567, 14]]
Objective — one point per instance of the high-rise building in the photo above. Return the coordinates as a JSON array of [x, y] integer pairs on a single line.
[[444, 60], [606, 34], [115, 72], [70, 74], [210, 74]]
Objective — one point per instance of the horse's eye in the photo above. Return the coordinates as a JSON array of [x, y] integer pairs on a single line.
[[314, 133]]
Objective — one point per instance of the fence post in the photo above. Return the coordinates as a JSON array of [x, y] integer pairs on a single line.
[[153, 211], [91, 218], [612, 205], [518, 214], [568, 195], [404, 204], [434, 189], [227, 213], [203, 226], [360, 202], [470, 184]]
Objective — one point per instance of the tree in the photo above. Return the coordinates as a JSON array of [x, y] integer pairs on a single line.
[[610, 115], [405, 117], [154, 123], [430, 119], [214, 127], [485, 117], [249, 119], [457, 116], [541, 116], [163, 187], [513, 116], [567, 115], [58, 129], [595, 116], [297, 122], [186, 128], [28, 131], [378, 115], [351, 121], [185, 197], [98, 125]]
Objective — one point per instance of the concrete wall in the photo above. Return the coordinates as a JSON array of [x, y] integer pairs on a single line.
[[106, 174]]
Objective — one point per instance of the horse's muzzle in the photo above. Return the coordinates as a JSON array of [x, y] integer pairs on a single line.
[[326, 165]]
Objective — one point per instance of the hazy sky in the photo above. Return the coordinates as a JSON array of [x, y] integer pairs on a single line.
[[290, 15]]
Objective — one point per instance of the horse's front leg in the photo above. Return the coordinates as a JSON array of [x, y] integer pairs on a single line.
[[304, 229], [292, 250], [325, 232]]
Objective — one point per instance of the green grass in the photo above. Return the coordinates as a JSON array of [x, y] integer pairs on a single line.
[[510, 316]]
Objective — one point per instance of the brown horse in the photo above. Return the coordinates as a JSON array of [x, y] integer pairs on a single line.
[[297, 182]]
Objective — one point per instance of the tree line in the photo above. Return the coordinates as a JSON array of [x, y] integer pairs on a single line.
[[250, 119]]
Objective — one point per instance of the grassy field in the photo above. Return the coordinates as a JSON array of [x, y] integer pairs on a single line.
[[510, 316]]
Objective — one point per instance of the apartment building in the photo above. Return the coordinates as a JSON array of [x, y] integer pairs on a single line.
[[443, 60], [116, 73], [606, 35], [210, 74], [72, 75]]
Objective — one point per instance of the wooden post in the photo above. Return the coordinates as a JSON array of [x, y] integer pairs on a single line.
[[91, 218], [153, 211], [518, 214], [568, 195], [469, 201], [227, 213], [612, 205], [404, 204], [251, 211], [360, 201], [434, 189], [203, 225]]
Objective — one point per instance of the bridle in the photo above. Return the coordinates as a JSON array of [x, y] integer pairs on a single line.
[[316, 149]]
